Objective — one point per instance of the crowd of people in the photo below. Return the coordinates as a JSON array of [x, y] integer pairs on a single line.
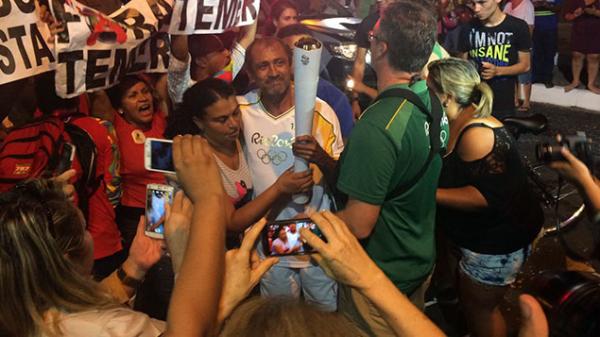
[[425, 182]]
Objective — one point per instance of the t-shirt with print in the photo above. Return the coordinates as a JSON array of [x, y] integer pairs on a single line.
[[387, 148], [237, 183], [268, 143], [500, 46]]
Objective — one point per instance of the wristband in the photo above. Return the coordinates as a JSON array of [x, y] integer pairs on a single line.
[[126, 279]]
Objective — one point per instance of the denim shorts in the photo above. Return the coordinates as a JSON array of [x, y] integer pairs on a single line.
[[525, 78], [496, 270]]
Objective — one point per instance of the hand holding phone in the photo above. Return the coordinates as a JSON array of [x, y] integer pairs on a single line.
[[157, 198], [282, 238]]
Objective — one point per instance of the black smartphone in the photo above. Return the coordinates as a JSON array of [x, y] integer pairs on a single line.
[[282, 238], [65, 160], [158, 155]]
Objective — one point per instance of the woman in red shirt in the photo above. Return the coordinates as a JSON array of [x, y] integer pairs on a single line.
[[138, 118]]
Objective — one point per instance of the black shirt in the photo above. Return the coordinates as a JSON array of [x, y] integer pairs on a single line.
[[499, 45], [513, 217]]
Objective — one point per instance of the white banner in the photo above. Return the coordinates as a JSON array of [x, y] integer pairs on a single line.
[[95, 50], [211, 16], [23, 48]]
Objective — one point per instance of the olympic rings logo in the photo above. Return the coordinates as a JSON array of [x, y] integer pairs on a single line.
[[273, 156]]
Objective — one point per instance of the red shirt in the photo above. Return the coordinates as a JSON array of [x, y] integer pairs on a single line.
[[101, 220], [134, 176]]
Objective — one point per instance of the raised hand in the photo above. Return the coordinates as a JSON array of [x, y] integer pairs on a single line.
[[243, 270]]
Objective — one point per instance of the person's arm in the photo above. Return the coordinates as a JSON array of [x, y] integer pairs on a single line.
[[287, 184], [279, 248], [143, 254], [178, 76], [464, 198], [533, 319], [309, 149], [574, 14], [195, 299], [243, 271], [575, 171], [248, 34], [343, 257], [360, 217], [358, 72], [490, 70]]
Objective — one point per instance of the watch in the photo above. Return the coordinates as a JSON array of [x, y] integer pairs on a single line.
[[126, 279]]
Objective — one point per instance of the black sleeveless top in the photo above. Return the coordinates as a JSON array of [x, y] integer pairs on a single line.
[[513, 217]]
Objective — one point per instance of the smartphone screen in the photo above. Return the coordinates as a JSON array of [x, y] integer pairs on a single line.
[[157, 196], [283, 237], [159, 155], [65, 160]]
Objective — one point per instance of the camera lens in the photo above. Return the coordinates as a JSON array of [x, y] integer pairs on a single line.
[[571, 301]]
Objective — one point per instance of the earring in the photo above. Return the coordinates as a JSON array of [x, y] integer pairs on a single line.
[[120, 111], [445, 104]]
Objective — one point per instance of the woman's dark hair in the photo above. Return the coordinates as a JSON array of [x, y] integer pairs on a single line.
[[195, 101], [116, 93], [47, 99]]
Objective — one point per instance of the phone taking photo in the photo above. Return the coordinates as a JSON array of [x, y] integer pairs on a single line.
[[157, 198], [158, 155], [282, 238]]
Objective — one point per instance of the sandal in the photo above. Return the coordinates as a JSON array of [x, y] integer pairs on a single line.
[[523, 108]]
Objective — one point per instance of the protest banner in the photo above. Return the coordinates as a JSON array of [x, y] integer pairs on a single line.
[[96, 50], [211, 16], [23, 48]]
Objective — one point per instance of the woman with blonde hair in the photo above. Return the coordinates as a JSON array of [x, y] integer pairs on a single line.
[[485, 207], [46, 258]]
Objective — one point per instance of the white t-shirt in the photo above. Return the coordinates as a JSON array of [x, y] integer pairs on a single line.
[[524, 11], [268, 145]]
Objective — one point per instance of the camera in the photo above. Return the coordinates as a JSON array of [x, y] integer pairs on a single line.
[[571, 302], [579, 144]]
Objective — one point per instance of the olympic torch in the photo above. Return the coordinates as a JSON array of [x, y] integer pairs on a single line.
[[307, 57]]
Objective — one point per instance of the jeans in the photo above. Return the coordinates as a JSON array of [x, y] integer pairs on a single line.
[[544, 49]]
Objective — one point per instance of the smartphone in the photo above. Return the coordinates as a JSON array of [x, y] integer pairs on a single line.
[[282, 238], [158, 155], [157, 197], [65, 160]]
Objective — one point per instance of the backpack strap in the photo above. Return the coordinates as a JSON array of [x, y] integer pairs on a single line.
[[434, 117], [85, 147]]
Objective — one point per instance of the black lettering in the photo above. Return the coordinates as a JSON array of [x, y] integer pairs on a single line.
[[202, 9], [26, 6], [40, 48], [93, 68], [8, 67], [249, 6], [159, 46], [161, 9], [119, 69], [138, 23], [183, 19], [17, 33], [137, 53], [5, 8], [70, 58], [63, 37], [226, 14]]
